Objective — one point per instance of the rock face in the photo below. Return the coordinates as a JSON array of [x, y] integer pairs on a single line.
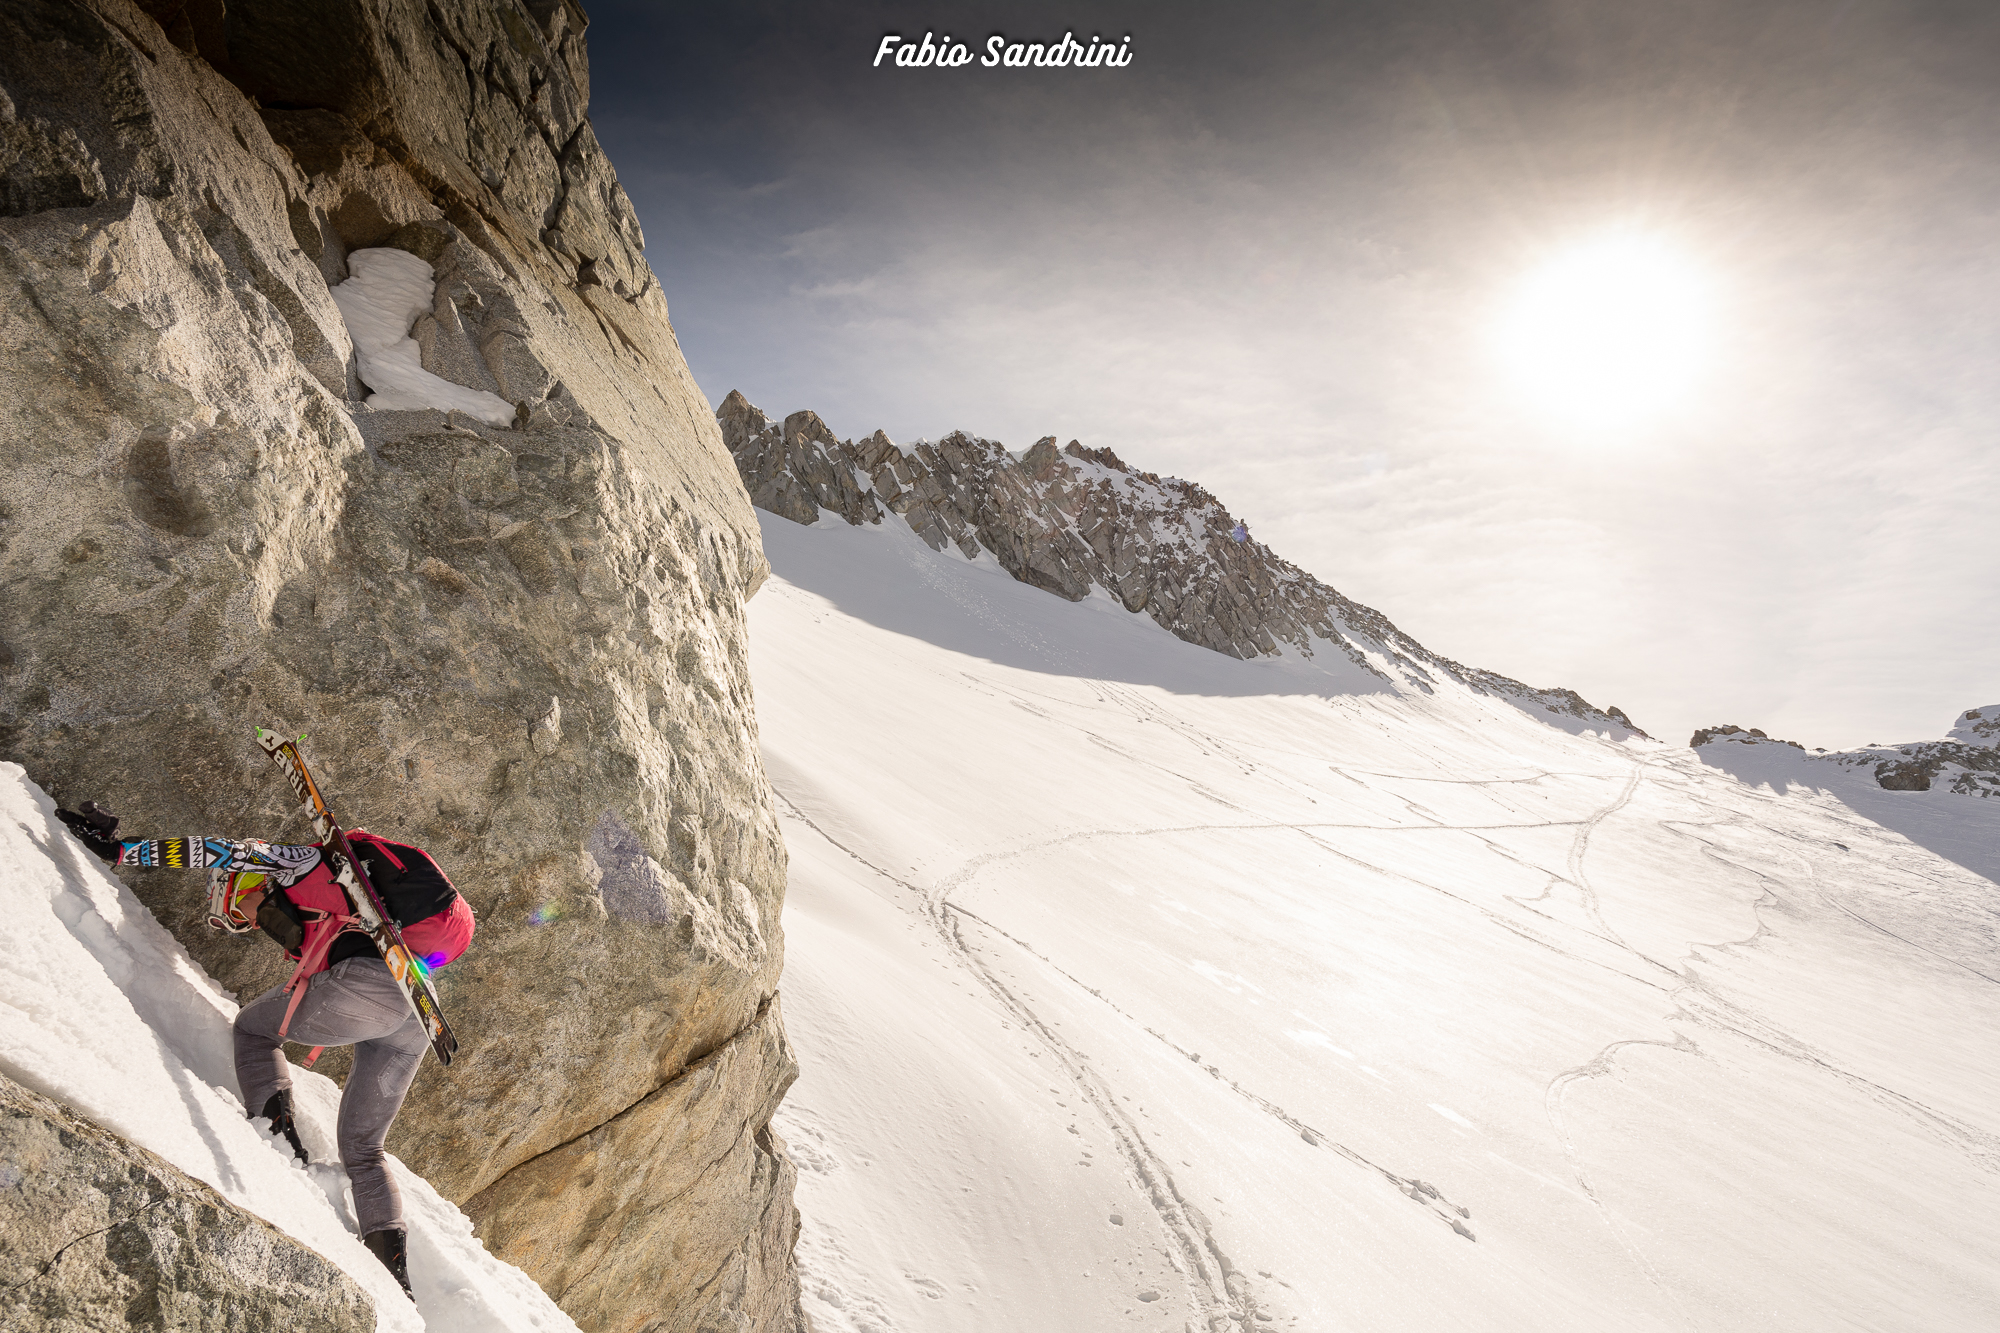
[[521, 647], [1072, 519], [708, 1134], [101, 1234]]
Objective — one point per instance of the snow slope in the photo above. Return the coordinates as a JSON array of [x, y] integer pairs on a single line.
[[100, 1008], [1136, 986]]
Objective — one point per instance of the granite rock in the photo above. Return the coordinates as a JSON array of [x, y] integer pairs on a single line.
[[709, 1128], [98, 1233], [1736, 734], [1977, 726]]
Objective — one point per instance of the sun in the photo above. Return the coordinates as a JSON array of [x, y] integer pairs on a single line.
[[1613, 331]]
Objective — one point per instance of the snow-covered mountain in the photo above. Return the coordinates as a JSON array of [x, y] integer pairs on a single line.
[[1079, 522], [1141, 985]]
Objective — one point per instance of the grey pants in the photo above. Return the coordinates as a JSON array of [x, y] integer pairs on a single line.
[[353, 1003]]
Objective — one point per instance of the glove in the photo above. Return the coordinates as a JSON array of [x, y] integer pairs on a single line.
[[96, 828]]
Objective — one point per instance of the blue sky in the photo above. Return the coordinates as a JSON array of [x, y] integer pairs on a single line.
[[1270, 255]]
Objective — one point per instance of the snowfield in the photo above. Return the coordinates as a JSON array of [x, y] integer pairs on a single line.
[[101, 1009], [1136, 986]]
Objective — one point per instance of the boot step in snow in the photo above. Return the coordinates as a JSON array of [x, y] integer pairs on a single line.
[[278, 1110], [393, 1249]]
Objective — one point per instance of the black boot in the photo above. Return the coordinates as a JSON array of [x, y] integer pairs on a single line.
[[279, 1112], [393, 1249]]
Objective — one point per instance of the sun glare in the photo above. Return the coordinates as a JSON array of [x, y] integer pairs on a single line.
[[1612, 332]]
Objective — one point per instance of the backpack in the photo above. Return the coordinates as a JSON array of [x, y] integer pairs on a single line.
[[436, 923], [314, 922]]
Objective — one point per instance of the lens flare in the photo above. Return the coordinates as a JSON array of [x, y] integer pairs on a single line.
[[1614, 331]]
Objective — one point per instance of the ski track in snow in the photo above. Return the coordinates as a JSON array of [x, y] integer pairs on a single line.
[[1699, 1004], [1214, 1284], [1599, 1066], [1581, 848], [1233, 1297], [1922, 948], [1419, 1190]]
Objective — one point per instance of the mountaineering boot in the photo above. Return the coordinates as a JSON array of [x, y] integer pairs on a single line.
[[279, 1112], [393, 1249]]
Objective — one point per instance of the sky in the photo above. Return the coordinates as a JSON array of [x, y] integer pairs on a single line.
[[1282, 251]]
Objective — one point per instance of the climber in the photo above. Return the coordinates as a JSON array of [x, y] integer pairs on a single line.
[[340, 994]]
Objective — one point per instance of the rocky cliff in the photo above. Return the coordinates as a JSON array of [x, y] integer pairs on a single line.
[[515, 637], [1070, 520]]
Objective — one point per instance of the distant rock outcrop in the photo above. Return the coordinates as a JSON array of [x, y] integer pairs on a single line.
[[1966, 762], [1965, 770], [1977, 726], [521, 644], [1071, 519], [1741, 735], [97, 1232]]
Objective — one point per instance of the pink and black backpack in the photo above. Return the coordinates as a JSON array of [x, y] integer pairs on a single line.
[[436, 922]]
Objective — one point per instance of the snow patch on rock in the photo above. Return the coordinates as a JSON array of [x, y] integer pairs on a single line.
[[388, 292], [1966, 762]]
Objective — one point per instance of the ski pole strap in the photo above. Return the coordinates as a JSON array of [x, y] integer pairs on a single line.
[[320, 935]]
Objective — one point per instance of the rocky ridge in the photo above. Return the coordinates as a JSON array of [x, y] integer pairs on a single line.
[[520, 645], [1070, 520], [1966, 762]]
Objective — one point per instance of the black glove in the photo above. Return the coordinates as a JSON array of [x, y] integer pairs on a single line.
[[96, 828]]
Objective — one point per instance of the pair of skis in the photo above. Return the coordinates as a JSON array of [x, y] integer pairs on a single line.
[[361, 894]]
